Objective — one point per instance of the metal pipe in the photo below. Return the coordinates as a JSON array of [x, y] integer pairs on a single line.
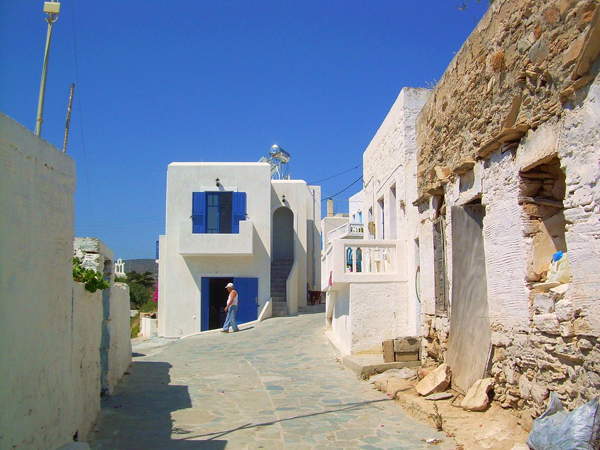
[[40, 112]]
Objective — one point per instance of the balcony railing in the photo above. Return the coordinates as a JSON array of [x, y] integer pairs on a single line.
[[358, 260], [346, 231], [208, 244]]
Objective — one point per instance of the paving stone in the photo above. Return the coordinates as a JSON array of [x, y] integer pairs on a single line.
[[260, 388]]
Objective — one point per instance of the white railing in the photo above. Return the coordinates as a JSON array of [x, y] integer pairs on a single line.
[[348, 230], [358, 260], [370, 259]]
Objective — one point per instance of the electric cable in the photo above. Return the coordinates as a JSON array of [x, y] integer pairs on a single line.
[[336, 175], [85, 164], [346, 188]]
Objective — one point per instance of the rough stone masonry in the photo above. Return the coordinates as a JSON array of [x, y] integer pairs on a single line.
[[516, 116]]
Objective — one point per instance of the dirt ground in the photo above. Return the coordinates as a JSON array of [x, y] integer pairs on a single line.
[[495, 428]]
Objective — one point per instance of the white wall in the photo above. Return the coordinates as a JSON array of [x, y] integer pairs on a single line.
[[331, 223], [385, 314], [296, 198], [119, 354], [51, 327], [390, 160], [355, 206], [82, 389], [313, 238], [37, 182], [341, 321]]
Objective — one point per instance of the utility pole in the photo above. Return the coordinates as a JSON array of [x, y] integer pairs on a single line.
[[68, 118], [52, 9]]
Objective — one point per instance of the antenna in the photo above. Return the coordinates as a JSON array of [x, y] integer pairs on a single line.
[[68, 118], [52, 9]]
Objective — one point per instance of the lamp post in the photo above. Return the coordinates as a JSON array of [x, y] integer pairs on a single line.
[[52, 9]]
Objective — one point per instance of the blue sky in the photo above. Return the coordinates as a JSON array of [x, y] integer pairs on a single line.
[[158, 82]]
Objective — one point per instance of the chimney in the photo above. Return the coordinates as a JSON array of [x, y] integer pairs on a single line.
[[330, 207]]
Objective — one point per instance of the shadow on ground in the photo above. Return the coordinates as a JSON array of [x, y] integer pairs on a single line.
[[138, 414]]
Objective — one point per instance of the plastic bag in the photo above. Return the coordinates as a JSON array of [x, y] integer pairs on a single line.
[[558, 429], [559, 268]]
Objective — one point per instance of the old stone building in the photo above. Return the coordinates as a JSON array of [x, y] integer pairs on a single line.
[[508, 168]]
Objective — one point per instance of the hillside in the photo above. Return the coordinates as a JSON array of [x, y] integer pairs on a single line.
[[141, 266]]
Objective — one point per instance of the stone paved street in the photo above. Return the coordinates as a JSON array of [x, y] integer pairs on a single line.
[[276, 385]]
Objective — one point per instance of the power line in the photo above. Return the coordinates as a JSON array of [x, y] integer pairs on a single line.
[[336, 175], [346, 188], [85, 165]]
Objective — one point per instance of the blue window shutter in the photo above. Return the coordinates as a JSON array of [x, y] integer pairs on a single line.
[[238, 210], [198, 212]]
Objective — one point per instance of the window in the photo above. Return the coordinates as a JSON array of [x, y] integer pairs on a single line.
[[218, 212]]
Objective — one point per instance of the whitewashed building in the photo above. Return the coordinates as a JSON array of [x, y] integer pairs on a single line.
[[369, 278], [230, 222]]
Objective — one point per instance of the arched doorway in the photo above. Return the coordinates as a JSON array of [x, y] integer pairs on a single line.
[[282, 258], [283, 235]]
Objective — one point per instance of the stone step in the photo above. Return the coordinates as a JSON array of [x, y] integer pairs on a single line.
[[279, 314], [278, 287], [278, 299]]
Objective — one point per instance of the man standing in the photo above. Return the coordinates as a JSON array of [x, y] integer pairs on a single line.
[[231, 309]]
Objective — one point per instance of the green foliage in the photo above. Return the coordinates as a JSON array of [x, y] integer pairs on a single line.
[[437, 417], [141, 290], [135, 325], [92, 279]]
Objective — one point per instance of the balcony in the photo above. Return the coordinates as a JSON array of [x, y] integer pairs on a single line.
[[346, 231], [363, 261], [196, 244]]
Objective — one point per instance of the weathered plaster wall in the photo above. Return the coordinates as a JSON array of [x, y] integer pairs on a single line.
[[536, 100], [119, 351], [559, 351], [115, 345], [51, 328], [341, 321], [37, 183], [378, 311], [84, 384]]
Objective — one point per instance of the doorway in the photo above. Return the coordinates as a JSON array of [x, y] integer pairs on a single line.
[[283, 235], [214, 299], [213, 307], [470, 336]]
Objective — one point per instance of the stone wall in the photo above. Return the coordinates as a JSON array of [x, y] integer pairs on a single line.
[[523, 65], [515, 124], [115, 346]]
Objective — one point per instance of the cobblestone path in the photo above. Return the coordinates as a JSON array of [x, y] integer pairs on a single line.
[[274, 386]]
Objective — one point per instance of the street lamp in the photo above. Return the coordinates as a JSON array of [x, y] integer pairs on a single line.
[[52, 9]]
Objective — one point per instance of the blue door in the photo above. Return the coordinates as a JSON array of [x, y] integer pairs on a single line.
[[247, 289], [204, 306]]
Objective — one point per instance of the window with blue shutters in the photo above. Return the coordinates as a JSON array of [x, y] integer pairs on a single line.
[[218, 212]]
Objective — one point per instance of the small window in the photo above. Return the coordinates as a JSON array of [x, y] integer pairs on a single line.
[[218, 212]]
